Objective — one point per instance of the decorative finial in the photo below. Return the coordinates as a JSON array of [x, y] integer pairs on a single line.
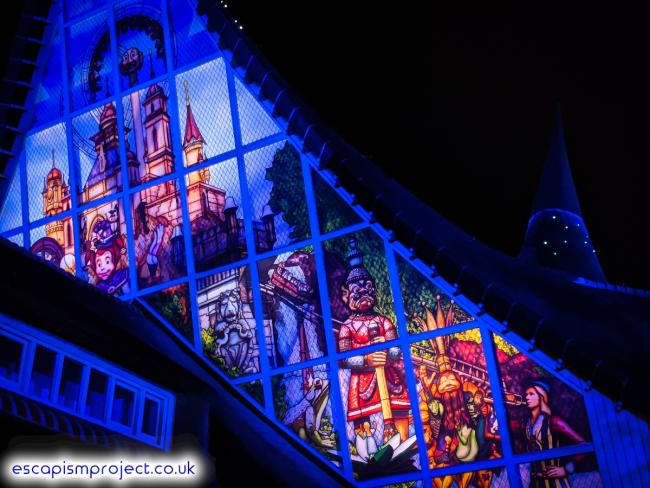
[[53, 165], [152, 73], [187, 94]]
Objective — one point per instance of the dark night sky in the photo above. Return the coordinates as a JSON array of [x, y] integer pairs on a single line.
[[456, 103]]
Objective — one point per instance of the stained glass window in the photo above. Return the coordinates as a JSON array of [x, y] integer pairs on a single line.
[[159, 176]]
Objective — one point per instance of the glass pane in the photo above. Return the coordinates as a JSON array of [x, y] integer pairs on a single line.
[[191, 39], [360, 293], [123, 404], [96, 153], [301, 402], [255, 390], [173, 304], [10, 357], [96, 396], [455, 399], [140, 41], [425, 305], [48, 176], [11, 214], [158, 240], [543, 412], [254, 122], [579, 471], [333, 212], [150, 417], [70, 386], [204, 113], [377, 409], [228, 329], [277, 192], [54, 244], [49, 102], [486, 478], [40, 382], [74, 8], [149, 151], [214, 201], [89, 61], [104, 248], [292, 309]]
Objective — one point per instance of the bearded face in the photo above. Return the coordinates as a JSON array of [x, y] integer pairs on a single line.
[[360, 295], [448, 382]]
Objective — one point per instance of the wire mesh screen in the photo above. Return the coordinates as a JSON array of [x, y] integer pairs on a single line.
[[48, 176], [147, 126], [333, 212], [89, 61], [301, 402], [76, 8], [49, 101], [255, 390], [277, 193], [96, 153], [105, 259], [214, 201], [227, 321], [292, 312], [192, 41], [486, 478], [205, 119], [174, 305], [254, 122], [579, 471], [158, 234], [54, 244], [11, 214], [425, 305]]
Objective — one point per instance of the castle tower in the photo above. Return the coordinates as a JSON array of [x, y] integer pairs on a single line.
[[56, 199], [557, 236], [159, 159], [193, 143]]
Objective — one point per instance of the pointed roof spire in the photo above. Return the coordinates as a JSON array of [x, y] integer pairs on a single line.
[[557, 236], [556, 189], [192, 132]]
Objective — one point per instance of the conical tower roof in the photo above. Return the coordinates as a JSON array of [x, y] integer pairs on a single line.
[[192, 132], [557, 236]]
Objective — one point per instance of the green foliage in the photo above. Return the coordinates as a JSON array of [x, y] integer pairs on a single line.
[[173, 305], [288, 193], [333, 212], [374, 260], [255, 390], [280, 405]]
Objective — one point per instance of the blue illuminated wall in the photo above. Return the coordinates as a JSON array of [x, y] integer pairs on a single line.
[[152, 171]]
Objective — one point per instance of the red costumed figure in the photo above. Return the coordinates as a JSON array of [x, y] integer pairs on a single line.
[[377, 381]]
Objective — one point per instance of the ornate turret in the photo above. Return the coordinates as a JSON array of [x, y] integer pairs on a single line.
[[557, 236], [56, 193], [193, 140], [158, 158]]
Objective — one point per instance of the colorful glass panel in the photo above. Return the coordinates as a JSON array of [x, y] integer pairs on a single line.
[[254, 122], [174, 305], [54, 244], [578, 471], [485, 478], [227, 321], [333, 212], [191, 40], [11, 215], [49, 102]]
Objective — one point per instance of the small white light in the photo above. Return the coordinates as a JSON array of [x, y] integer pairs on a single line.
[[585, 242], [554, 254], [565, 242], [545, 243], [241, 27], [593, 250], [553, 217], [566, 226]]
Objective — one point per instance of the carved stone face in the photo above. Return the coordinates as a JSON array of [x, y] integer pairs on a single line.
[[360, 295], [229, 306]]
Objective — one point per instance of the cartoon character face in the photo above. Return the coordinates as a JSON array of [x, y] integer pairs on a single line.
[[532, 398], [104, 265], [113, 214], [229, 305], [360, 295], [448, 382], [131, 60]]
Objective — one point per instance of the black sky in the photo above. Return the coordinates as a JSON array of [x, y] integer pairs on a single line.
[[456, 103]]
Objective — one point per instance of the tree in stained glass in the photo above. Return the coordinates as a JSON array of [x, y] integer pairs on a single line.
[[333, 212], [173, 304]]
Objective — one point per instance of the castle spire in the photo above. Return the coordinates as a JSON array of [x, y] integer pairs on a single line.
[[53, 161], [192, 132], [557, 235]]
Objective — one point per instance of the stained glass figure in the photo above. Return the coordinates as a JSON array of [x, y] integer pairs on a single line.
[[277, 191], [333, 212], [89, 61], [359, 290], [96, 153], [292, 310], [214, 201], [149, 148], [455, 398], [174, 305], [158, 234], [418, 290], [48, 177], [227, 321], [578, 471], [104, 252], [377, 409], [54, 244], [140, 41], [485, 478], [205, 120], [301, 402], [543, 412]]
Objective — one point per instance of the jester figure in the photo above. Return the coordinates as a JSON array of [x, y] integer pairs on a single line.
[[377, 382], [105, 259]]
